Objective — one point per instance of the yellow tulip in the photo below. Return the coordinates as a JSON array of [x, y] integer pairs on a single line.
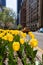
[[1, 35], [9, 37], [33, 42], [1, 30], [22, 34], [31, 35], [14, 32], [4, 32], [16, 46], [5, 37], [22, 41]]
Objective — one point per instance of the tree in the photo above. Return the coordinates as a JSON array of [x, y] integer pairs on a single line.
[[7, 16]]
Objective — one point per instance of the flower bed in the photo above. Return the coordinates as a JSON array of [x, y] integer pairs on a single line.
[[16, 48]]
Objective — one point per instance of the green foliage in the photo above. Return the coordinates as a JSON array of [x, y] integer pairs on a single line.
[[31, 54], [41, 63], [17, 38], [7, 18], [7, 15], [25, 51], [19, 27], [42, 59], [24, 61], [7, 51]]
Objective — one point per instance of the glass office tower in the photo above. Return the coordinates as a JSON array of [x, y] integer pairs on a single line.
[[3, 2], [18, 9]]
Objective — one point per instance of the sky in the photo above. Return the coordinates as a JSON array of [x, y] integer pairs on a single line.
[[12, 4]]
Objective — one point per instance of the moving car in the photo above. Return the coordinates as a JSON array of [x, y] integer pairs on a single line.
[[26, 29]]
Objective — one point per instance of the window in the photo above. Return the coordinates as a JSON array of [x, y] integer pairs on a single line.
[[31, 1]]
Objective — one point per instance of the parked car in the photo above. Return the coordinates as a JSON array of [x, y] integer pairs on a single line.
[[40, 30]]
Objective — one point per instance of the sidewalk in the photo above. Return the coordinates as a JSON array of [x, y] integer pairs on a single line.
[[39, 54]]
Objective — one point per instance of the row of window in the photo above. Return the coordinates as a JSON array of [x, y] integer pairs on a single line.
[[33, 10]]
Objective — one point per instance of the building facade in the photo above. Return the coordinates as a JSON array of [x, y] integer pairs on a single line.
[[31, 14], [33, 19], [42, 13], [3, 2], [23, 14], [18, 10]]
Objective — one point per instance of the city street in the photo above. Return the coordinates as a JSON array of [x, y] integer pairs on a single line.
[[39, 36]]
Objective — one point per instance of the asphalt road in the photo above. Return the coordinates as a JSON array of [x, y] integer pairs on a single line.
[[39, 36]]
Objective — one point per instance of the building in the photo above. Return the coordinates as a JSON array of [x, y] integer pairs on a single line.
[[42, 13], [33, 19], [18, 9], [31, 14], [23, 13], [18, 5], [3, 2]]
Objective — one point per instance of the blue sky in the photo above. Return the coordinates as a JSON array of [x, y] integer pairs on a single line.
[[12, 4]]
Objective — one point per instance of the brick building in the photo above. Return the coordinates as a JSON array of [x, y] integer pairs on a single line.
[[31, 14], [23, 14]]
